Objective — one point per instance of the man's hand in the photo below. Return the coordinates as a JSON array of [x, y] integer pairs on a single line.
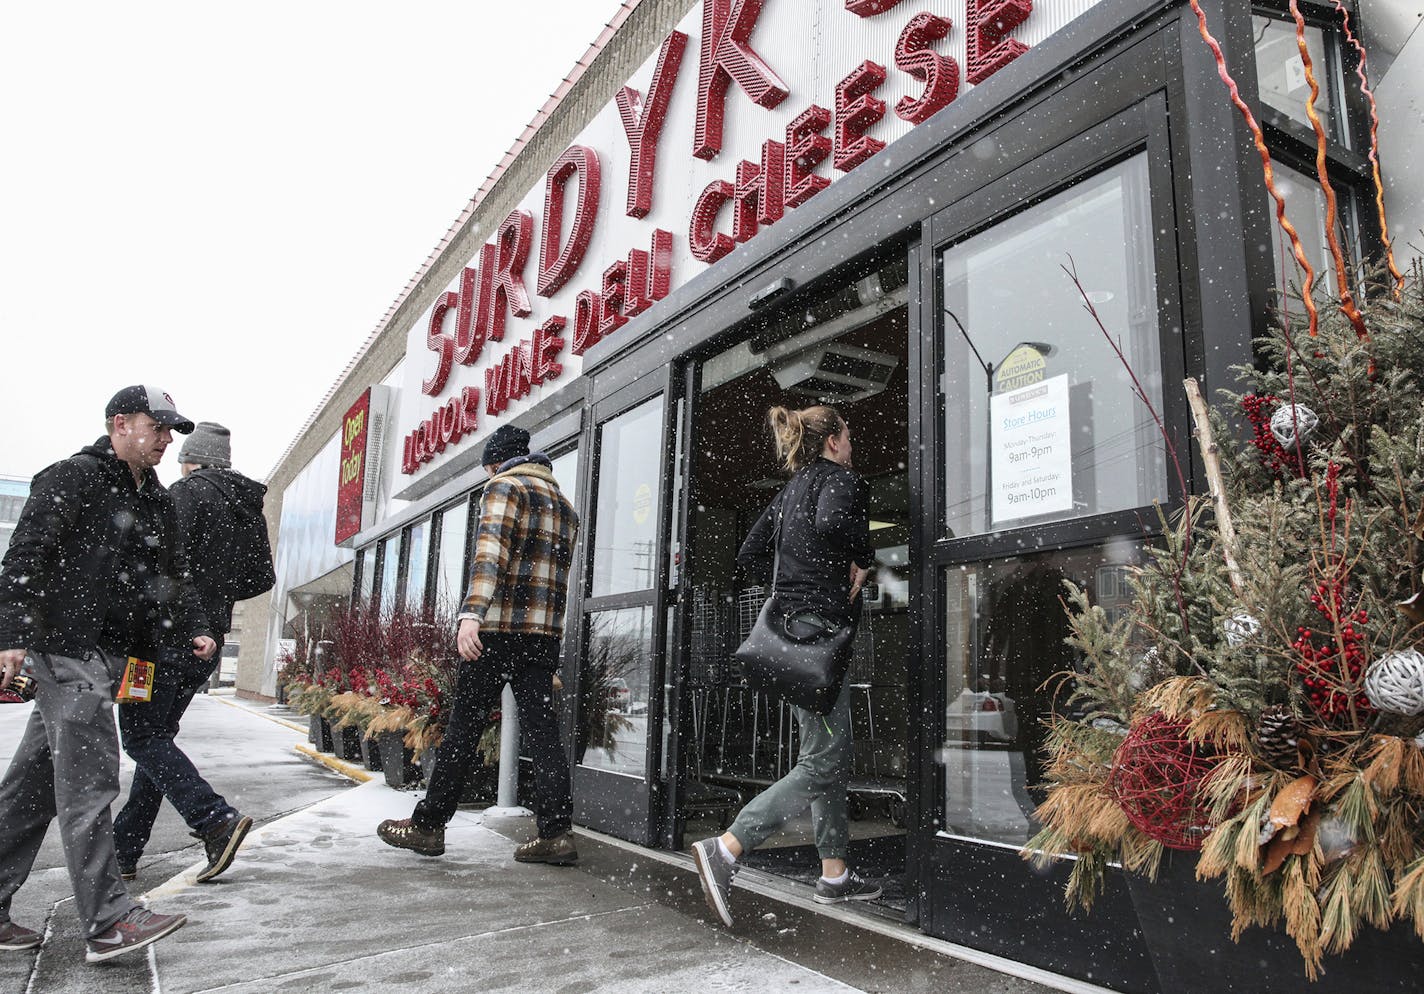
[[857, 579], [204, 647], [10, 662], [468, 640]]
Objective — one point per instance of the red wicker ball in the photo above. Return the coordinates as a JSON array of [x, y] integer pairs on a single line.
[[1156, 779]]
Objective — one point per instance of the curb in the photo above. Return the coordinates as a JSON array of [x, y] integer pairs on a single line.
[[272, 718], [347, 770]]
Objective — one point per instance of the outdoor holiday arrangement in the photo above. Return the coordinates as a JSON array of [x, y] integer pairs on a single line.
[[1262, 703]]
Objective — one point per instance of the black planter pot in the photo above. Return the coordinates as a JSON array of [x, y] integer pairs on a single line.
[[319, 733], [1187, 927], [346, 744], [401, 770], [370, 753]]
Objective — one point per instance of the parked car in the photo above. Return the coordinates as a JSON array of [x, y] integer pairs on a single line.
[[981, 716], [227, 665], [621, 696]]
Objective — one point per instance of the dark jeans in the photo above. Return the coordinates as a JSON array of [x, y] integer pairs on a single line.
[[148, 730], [527, 663]]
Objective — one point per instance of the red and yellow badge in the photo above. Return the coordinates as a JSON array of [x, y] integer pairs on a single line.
[[137, 684]]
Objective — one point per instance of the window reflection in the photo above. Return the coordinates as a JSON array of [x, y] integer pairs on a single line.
[[417, 558], [1280, 72], [366, 581], [626, 520], [1004, 635], [390, 571], [1041, 421], [1305, 207], [613, 691], [451, 580]]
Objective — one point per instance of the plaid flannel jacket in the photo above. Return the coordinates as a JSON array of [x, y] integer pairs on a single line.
[[524, 553]]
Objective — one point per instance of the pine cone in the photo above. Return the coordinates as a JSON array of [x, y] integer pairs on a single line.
[[1276, 737]]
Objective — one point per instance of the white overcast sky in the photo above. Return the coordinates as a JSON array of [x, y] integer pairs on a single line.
[[224, 199]]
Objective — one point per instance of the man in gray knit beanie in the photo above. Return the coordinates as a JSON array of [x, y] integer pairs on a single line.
[[219, 512]]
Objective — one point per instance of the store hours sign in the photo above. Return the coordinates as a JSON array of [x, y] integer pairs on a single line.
[[1030, 441]]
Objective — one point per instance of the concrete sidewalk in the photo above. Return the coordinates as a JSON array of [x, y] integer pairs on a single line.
[[315, 902]]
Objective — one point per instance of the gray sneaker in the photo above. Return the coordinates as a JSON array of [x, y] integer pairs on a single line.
[[853, 888], [716, 875]]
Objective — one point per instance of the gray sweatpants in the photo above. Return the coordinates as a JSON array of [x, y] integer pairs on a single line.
[[67, 767], [819, 779]]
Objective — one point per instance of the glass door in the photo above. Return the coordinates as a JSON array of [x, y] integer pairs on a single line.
[[621, 660]]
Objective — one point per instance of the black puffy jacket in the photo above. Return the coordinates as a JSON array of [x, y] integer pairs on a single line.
[[825, 526], [209, 503], [95, 561]]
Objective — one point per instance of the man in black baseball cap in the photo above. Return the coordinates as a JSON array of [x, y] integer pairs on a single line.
[[95, 574], [150, 400]]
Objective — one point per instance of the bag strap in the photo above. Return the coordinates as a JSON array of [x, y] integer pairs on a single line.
[[776, 545]]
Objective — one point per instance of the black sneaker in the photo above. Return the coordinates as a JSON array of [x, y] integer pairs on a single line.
[[716, 875], [134, 930], [406, 834], [221, 844], [853, 888]]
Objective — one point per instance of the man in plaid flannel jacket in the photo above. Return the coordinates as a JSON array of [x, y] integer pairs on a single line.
[[511, 625]]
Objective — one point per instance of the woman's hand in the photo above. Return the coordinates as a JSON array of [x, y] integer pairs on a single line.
[[857, 579]]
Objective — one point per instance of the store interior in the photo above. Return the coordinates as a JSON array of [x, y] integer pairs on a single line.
[[847, 347]]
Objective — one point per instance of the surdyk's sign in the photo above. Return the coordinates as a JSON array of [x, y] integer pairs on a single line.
[[746, 112], [1029, 441]]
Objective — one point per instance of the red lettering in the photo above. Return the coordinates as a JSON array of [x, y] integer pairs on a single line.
[[805, 148], [470, 327], [649, 275], [427, 440], [610, 312], [857, 110], [450, 422], [469, 410], [409, 464], [987, 25], [438, 435], [759, 191], [440, 342], [645, 130], [869, 8], [939, 73], [519, 371], [556, 265], [547, 344], [586, 314], [497, 387], [704, 240], [727, 55], [506, 283]]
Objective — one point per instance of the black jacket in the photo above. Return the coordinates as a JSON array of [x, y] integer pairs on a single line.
[[208, 503], [825, 526], [95, 561]]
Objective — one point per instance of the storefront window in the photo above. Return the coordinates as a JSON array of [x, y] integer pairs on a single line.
[[450, 578], [613, 710], [630, 469], [417, 554], [1042, 422], [390, 571], [566, 468], [1280, 72], [1004, 631], [1305, 207], [366, 576]]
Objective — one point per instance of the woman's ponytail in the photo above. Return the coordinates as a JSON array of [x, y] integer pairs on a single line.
[[801, 435]]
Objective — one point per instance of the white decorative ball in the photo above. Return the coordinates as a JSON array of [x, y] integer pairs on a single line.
[[1240, 627], [1395, 682], [1290, 417]]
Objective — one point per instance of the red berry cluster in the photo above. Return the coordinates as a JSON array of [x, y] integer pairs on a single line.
[[1258, 409], [1334, 681]]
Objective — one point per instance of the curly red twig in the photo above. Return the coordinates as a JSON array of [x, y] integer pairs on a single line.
[[1374, 148], [1342, 276], [1260, 140]]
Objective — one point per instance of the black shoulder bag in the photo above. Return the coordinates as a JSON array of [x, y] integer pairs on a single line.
[[800, 657]]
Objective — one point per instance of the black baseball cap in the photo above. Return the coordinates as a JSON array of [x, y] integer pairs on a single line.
[[153, 401]]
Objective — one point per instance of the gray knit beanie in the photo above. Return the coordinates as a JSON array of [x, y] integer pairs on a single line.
[[209, 445]]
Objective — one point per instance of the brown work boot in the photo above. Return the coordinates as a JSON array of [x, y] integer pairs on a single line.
[[556, 851], [405, 834]]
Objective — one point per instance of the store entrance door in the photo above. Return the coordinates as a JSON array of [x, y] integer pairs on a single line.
[[624, 608], [847, 346]]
